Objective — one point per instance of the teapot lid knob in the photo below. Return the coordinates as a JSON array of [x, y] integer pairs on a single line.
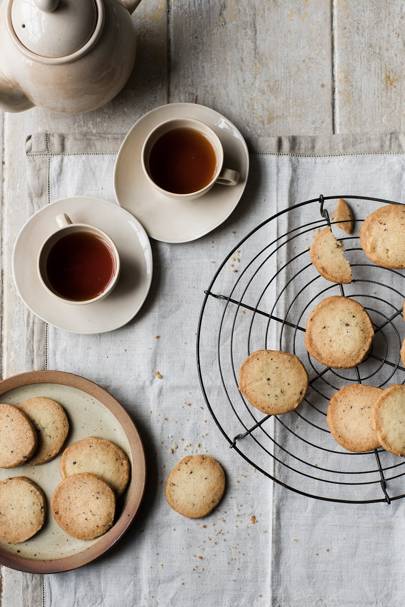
[[48, 6]]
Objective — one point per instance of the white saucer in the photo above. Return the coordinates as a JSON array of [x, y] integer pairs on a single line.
[[171, 220], [134, 282]]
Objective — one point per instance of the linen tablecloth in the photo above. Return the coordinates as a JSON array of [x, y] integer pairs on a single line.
[[264, 545]]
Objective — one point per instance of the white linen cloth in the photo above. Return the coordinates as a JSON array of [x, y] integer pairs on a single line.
[[263, 546]]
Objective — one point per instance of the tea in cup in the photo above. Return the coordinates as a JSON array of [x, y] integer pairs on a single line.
[[184, 158], [78, 263]]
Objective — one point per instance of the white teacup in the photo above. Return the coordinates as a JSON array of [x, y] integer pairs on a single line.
[[65, 226], [221, 175]]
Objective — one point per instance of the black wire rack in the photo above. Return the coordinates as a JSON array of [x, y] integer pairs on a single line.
[[260, 297]]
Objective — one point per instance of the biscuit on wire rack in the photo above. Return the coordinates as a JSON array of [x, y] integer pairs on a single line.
[[272, 381], [328, 256], [343, 216], [350, 417], [339, 332], [389, 419], [382, 236]]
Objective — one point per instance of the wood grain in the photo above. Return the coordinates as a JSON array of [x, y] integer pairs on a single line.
[[266, 65], [369, 47]]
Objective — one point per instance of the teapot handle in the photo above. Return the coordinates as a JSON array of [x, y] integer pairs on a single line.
[[130, 5], [12, 98]]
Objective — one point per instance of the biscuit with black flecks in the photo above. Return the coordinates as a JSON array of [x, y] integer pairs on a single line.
[[52, 425], [98, 456], [382, 236], [389, 419], [339, 332], [18, 439], [272, 381], [328, 256], [343, 216], [350, 417], [195, 486], [83, 505], [22, 509]]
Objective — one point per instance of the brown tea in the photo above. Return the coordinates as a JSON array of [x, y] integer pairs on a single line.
[[182, 161], [79, 266]]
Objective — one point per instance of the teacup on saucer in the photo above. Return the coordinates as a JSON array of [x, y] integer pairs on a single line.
[[184, 158], [175, 220], [133, 249], [78, 263]]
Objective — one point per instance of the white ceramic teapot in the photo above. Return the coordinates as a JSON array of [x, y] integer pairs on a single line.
[[64, 55]]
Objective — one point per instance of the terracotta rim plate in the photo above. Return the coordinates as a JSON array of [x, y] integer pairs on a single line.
[[170, 220], [134, 282], [134, 492]]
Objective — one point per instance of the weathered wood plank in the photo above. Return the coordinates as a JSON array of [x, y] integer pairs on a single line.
[[266, 65], [369, 65]]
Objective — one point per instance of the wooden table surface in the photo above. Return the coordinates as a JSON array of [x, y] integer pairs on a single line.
[[274, 67]]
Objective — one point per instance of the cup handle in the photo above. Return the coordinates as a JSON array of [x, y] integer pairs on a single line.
[[63, 220], [228, 177]]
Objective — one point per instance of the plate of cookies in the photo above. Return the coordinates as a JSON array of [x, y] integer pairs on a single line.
[[72, 471], [309, 385]]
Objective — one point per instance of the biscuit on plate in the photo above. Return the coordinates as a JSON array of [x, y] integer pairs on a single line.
[[328, 256], [343, 215], [18, 439], [195, 486], [339, 332], [22, 509], [382, 236], [389, 419], [84, 506], [97, 456], [52, 425], [272, 381], [350, 417]]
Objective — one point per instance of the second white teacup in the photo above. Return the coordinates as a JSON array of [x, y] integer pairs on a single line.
[[180, 152], [78, 263]]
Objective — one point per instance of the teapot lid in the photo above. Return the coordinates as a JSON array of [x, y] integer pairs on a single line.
[[54, 28]]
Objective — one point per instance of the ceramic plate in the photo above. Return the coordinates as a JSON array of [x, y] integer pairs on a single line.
[[167, 219], [136, 271], [92, 412]]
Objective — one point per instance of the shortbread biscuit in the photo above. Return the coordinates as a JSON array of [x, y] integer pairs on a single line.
[[274, 382], [382, 236], [350, 417], [84, 506], [18, 439], [339, 332], [343, 215], [22, 509], [328, 256], [389, 419], [97, 456], [195, 486], [52, 425], [403, 352]]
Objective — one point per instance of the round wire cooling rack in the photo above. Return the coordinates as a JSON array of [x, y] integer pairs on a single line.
[[260, 298]]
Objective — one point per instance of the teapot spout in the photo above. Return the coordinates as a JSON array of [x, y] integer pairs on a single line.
[[12, 98], [130, 5]]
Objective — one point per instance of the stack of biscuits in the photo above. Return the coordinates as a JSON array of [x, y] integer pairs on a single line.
[[94, 470]]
